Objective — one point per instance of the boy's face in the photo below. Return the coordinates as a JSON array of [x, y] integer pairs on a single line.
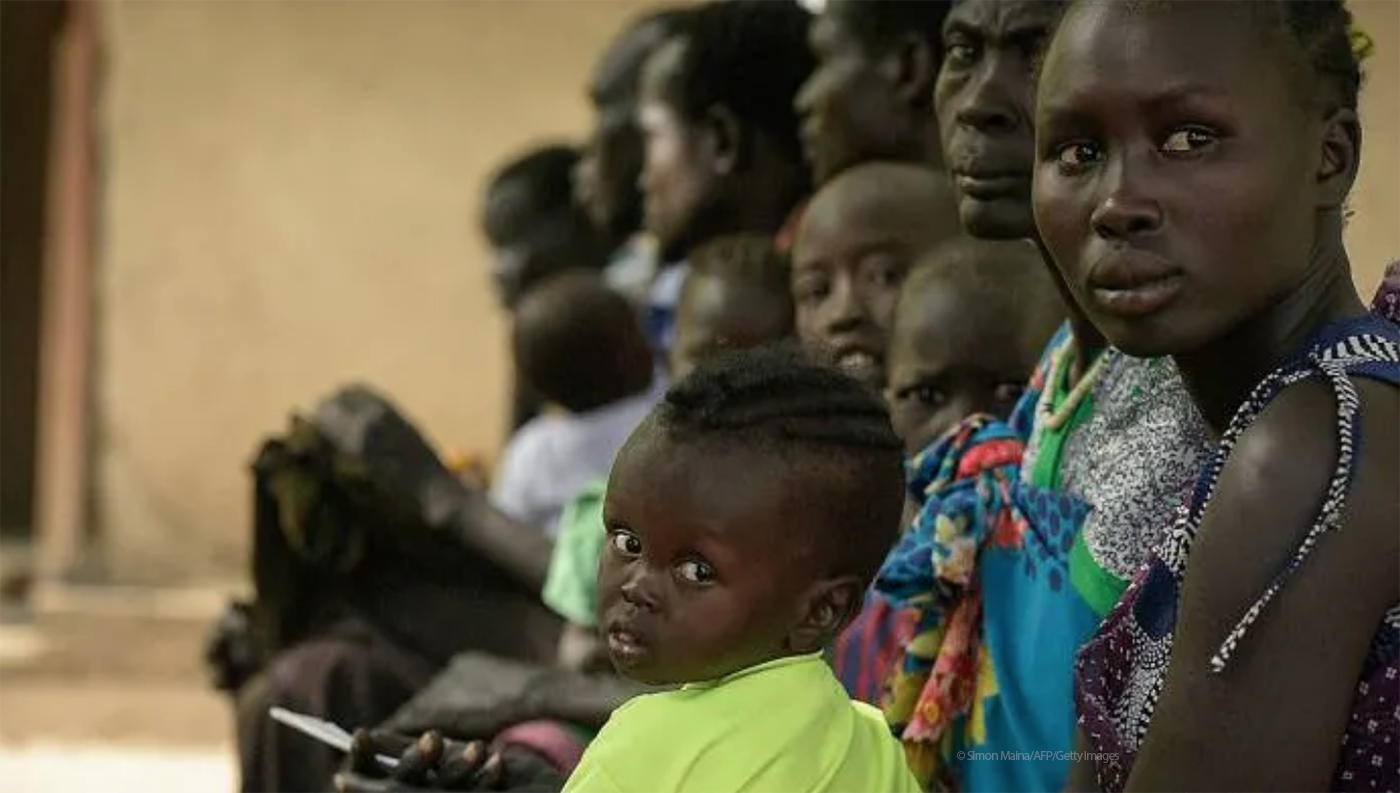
[[846, 274], [951, 358], [715, 315], [697, 579]]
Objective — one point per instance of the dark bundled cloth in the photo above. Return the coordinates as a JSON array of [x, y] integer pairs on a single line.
[[358, 604]]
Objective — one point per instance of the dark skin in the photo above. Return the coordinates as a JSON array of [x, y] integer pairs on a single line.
[[1196, 162], [716, 315], [408, 466], [606, 179], [431, 762], [689, 586], [529, 245], [713, 315], [984, 97], [955, 353], [866, 101], [706, 176], [856, 243]]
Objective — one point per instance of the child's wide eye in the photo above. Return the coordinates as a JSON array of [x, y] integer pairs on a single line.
[[1077, 155], [625, 542], [1188, 139], [696, 571]]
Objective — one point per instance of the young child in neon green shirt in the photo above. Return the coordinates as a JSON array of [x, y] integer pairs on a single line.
[[745, 518]]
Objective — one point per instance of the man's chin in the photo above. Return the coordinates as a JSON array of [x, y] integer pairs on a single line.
[[996, 219]]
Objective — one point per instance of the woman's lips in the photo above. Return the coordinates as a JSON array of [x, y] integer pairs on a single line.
[[1134, 284]]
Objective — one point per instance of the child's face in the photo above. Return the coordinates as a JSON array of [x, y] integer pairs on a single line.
[[846, 273], [696, 580], [949, 359], [1179, 177], [715, 315]]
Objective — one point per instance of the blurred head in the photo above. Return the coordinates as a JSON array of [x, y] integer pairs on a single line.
[[1194, 161], [871, 97], [972, 319], [745, 518], [532, 223], [579, 344], [736, 296], [720, 133], [983, 97], [856, 242], [606, 179]]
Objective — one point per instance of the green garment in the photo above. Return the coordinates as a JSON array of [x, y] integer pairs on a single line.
[[786, 726], [1097, 586], [571, 586]]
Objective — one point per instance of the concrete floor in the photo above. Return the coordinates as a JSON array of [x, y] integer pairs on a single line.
[[105, 690]]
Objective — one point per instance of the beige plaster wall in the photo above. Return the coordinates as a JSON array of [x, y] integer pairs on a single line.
[[1373, 238], [288, 202]]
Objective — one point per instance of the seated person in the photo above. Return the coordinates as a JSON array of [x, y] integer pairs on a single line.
[[855, 242], [581, 348], [968, 328], [733, 598], [736, 297], [350, 603], [535, 229]]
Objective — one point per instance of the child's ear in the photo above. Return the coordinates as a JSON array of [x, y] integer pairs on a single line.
[[1341, 158], [828, 607], [725, 139]]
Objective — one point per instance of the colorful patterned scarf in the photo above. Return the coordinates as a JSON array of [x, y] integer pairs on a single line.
[[1387, 300], [963, 484]]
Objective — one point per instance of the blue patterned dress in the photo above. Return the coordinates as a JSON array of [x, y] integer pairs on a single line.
[[1120, 673]]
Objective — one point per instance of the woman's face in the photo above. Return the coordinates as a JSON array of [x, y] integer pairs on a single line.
[[679, 174], [1177, 171]]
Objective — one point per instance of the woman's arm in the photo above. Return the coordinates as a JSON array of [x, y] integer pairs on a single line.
[[1274, 717], [1083, 772], [367, 429], [521, 550], [583, 700]]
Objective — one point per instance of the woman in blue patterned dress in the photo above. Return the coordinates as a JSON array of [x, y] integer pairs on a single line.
[[1194, 161]]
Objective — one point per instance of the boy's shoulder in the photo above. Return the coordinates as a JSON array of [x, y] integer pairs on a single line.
[[754, 731]]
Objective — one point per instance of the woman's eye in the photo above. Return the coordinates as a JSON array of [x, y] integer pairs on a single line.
[[696, 571], [1187, 140], [1078, 155], [625, 543]]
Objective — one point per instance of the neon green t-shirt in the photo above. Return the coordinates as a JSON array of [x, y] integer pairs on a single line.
[[786, 726]]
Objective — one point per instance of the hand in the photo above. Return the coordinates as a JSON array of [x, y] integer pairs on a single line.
[[428, 763], [367, 429], [432, 763]]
